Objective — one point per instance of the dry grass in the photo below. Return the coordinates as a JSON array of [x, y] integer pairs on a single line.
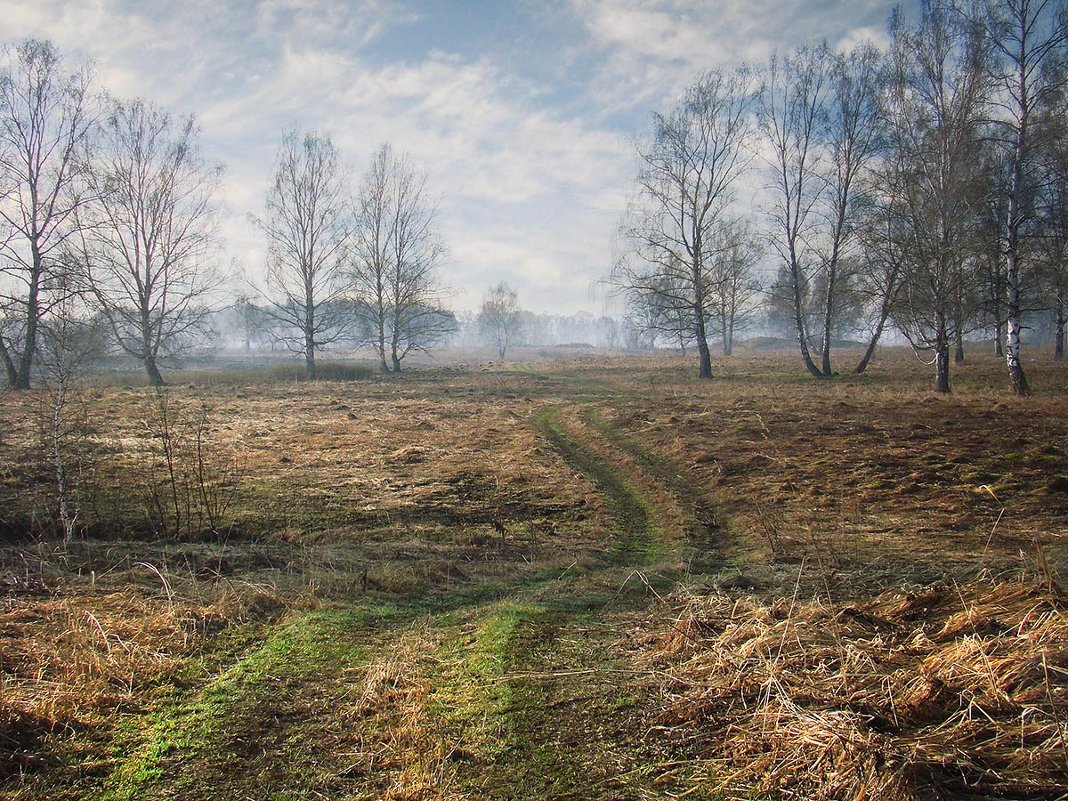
[[873, 466], [77, 650], [440, 487], [942, 692], [71, 661], [394, 745], [320, 460]]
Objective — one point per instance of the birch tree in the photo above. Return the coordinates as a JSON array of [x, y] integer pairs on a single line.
[[69, 339], [419, 319], [1029, 39], [46, 116], [819, 113], [372, 251], [147, 240], [791, 113], [685, 186], [856, 141], [397, 255], [309, 227]]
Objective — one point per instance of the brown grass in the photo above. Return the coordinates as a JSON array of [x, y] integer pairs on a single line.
[[942, 692], [71, 661], [829, 494], [394, 745], [77, 649], [322, 459], [871, 474]]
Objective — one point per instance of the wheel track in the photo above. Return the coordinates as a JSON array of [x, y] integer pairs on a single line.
[[531, 705]]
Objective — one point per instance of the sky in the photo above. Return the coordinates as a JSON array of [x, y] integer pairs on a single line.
[[524, 113]]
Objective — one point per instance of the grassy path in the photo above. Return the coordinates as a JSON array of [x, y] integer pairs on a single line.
[[521, 696]]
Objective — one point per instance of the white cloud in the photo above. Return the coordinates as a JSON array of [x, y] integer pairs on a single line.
[[531, 187], [653, 48]]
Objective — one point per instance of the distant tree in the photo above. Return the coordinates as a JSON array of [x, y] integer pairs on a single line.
[[882, 239], [500, 318], [849, 308], [245, 320], [147, 239], [46, 116], [251, 319], [658, 312], [819, 112], [937, 99], [636, 337], [780, 303], [736, 288], [685, 185], [1052, 240], [609, 333], [990, 264], [309, 227], [397, 253]]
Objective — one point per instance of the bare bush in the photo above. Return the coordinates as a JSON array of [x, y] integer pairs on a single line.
[[191, 483]]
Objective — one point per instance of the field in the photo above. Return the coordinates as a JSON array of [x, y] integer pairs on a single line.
[[588, 578]]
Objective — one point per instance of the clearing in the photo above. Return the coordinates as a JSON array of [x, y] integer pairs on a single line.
[[595, 578]]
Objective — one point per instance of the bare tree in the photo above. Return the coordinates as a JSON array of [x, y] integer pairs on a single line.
[[937, 104], [418, 317], [736, 287], [372, 251], [685, 186], [309, 227], [791, 113], [147, 239], [397, 254], [1030, 39], [855, 142], [45, 119], [500, 318], [819, 112]]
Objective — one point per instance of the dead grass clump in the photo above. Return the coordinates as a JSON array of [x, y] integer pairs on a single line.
[[945, 693], [409, 454], [68, 661], [395, 747], [73, 657], [244, 601]]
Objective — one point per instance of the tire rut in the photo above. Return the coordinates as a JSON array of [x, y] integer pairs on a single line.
[[571, 728], [515, 698]]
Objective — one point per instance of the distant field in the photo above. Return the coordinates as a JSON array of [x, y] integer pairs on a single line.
[[573, 576]]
